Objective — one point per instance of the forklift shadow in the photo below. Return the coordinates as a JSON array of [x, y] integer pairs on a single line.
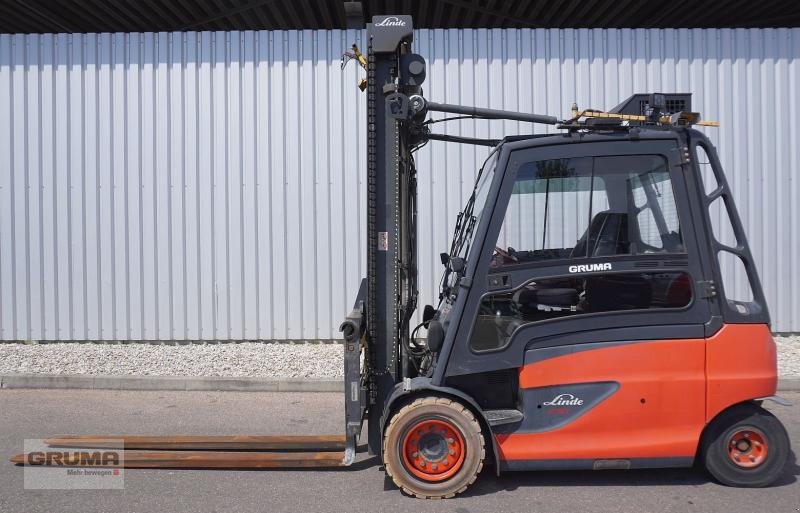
[[359, 464], [489, 483]]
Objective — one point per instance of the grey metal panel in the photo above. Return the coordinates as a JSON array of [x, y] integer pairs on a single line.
[[154, 186]]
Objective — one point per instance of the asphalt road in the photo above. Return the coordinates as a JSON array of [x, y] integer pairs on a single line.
[[42, 413]]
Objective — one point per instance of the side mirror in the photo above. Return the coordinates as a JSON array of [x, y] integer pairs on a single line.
[[457, 265], [428, 313], [435, 336], [445, 258]]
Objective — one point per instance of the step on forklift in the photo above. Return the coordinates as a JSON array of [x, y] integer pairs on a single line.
[[584, 319]]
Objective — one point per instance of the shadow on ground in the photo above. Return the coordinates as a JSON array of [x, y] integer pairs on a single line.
[[489, 482]]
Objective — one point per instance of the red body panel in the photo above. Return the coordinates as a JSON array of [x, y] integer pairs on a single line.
[[668, 390], [741, 364]]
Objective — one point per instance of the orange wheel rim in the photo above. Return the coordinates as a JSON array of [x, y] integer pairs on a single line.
[[747, 448], [433, 450]]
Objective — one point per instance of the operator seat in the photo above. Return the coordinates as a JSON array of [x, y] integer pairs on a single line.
[[607, 235]]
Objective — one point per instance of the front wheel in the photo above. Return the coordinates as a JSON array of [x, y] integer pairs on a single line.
[[746, 446], [433, 448]]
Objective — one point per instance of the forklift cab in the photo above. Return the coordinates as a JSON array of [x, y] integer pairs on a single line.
[[585, 230], [578, 209], [591, 308], [589, 231]]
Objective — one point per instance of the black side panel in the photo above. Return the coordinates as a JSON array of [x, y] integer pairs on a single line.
[[599, 329], [594, 337], [491, 390], [552, 407], [547, 351]]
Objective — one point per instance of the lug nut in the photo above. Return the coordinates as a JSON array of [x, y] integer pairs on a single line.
[[452, 452], [433, 466], [450, 441]]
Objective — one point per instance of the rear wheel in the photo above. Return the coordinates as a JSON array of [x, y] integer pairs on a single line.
[[433, 448], [746, 446]]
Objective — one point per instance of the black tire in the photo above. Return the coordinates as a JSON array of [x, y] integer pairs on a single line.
[[434, 410], [754, 469]]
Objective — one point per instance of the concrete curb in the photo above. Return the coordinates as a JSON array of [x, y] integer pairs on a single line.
[[58, 381], [789, 385]]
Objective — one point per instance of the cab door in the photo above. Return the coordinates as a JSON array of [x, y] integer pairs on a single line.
[[592, 289]]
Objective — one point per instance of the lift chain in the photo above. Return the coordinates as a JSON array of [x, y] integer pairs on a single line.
[[372, 230]]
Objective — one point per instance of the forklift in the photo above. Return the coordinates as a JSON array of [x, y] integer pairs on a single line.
[[584, 319]]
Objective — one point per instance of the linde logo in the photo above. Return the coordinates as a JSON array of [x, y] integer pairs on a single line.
[[391, 21], [564, 400], [587, 268]]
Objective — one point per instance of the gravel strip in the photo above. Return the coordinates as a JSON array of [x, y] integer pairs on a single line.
[[256, 360], [788, 356]]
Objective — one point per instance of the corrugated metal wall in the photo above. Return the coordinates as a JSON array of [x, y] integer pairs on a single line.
[[210, 185]]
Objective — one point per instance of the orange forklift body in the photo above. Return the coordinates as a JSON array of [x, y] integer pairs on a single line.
[[668, 391]]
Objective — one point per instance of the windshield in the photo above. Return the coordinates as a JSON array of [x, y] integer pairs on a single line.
[[470, 216]]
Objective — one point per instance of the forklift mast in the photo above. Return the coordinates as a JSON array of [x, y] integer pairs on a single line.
[[391, 284]]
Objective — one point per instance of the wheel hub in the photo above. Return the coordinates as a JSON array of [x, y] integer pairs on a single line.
[[747, 448], [433, 450]]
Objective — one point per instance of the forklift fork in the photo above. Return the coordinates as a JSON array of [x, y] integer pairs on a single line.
[[235, 451]]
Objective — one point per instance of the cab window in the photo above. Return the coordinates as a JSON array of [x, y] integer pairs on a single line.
[[566, 211], [586, 207]]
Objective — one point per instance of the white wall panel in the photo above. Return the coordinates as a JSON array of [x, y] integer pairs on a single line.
[[209, 186]]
